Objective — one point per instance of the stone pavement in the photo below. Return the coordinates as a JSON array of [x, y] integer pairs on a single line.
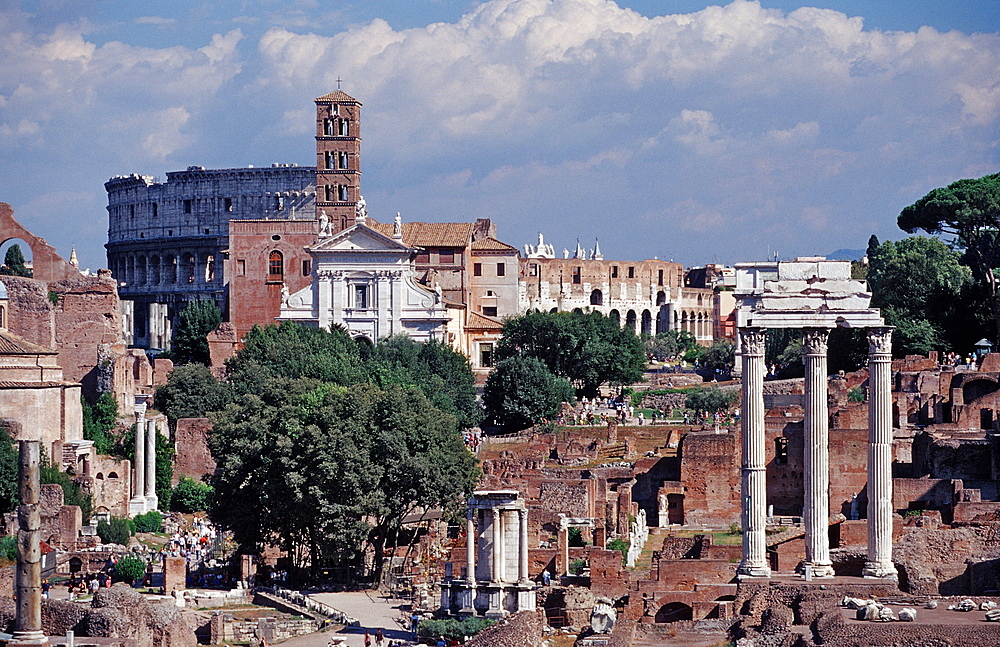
[[374, 612]]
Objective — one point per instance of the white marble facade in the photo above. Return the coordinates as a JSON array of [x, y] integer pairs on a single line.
[[366, 281]]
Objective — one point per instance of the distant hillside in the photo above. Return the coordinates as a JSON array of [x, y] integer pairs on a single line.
[[846, 255]]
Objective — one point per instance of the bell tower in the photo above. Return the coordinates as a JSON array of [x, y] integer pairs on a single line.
[[338, 158]]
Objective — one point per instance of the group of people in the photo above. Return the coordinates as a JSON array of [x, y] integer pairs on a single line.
[[194, 544], [954, 359], [90, 584]]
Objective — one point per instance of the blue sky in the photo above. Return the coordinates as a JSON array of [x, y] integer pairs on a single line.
[[676, 129]]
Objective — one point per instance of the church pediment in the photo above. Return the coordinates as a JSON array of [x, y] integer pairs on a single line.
[[359, 238]]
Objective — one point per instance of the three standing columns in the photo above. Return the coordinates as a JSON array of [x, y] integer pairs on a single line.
[[816, 471], [816, 453], [879, 562], [753, 475]]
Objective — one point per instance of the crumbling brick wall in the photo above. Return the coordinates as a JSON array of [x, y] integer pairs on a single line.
[[193, 458]]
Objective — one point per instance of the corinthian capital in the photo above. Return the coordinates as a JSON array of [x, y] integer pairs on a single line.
[[814, 341], [752, 341], [880, 341]]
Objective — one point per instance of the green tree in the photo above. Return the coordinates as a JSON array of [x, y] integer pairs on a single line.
[[294, 351], [114, 531], [8, 471], [967, 212], [670, 345], [13, 262], [192, 391], [151, 521], [129, 569], [719, 356], [99, 420], [587, 349], [444, 375], [921, 286], [189, 342], [520, 392], [191, 496], [326, 469], [713, 400]]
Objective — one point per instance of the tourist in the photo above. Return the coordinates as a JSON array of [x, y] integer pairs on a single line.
[[45, 589], [441, 642], [368, 639], [379, 637], [546, 577]]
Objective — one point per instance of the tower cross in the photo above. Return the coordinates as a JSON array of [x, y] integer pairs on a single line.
[[338, 82]]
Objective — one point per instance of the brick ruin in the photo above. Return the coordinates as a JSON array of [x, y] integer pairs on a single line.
[[946, 503]]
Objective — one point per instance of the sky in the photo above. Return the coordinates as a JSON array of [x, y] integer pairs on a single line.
[[675, 129]]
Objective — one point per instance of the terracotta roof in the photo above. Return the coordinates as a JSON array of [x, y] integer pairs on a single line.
[[338, 95], [482, 322], [430, 234], [490, 244], [11, 344], [12, 384]]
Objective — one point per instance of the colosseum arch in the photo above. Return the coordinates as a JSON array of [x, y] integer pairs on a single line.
[[630, 320], [596, 298], [647, 323]]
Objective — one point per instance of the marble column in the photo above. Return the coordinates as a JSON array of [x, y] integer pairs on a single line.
[[497, 540], [879, 564], [522, 546], [754, 491], [469, 600], [502, 571], [816, 453], [139, 467], [151, 465], [28, 621]]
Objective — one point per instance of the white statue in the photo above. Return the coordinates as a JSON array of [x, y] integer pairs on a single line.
[[324, 224], [361, 211], [284, 295], [397, 226]]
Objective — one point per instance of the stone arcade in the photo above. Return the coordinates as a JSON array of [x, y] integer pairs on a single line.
[[814, 295], [496, 578]]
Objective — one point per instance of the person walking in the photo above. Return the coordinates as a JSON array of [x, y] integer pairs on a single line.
[[379, 637], [368, 639]]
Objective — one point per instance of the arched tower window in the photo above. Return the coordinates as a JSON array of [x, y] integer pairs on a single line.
[[275, 266]]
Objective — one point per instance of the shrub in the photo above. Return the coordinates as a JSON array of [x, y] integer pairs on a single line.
[[190, 495], [857, 394], [621, 546], [576, 539], [152, 521], [8, 548], [129, 569], [735, 529], [577, 566], [115, 531], [453, 629]]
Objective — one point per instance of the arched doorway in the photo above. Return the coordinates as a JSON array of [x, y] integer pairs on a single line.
[[647, 323], [615, 316], [630, 320], [596, 298], [673, 612]]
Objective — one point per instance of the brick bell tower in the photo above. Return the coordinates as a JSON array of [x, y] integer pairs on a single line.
[[338, 158]]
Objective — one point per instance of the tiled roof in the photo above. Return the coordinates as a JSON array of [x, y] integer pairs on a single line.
[[338, 95], [11, 344], [482, 322], [430, 234], [11, 384], [490, 244]]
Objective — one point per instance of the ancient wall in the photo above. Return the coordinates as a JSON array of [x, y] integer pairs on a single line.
[[710, 470], [193, 458], [109, 483]]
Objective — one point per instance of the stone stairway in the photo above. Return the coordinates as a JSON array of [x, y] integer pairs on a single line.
[[644, 563]]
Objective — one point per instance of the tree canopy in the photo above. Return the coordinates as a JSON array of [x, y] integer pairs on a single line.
[[587, 349], [520, 392], [325, 468], [968, 213], [13, 262], [189, 342], [8, 472], [924, 290], [192, 391]]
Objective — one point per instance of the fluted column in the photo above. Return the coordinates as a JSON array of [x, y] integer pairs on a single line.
[[816, 455], [522, 546], [151, 464], [502, 570], [879, 562], [469, 596], [28, 576], [754, 492], [139, 460], [497, 538]]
